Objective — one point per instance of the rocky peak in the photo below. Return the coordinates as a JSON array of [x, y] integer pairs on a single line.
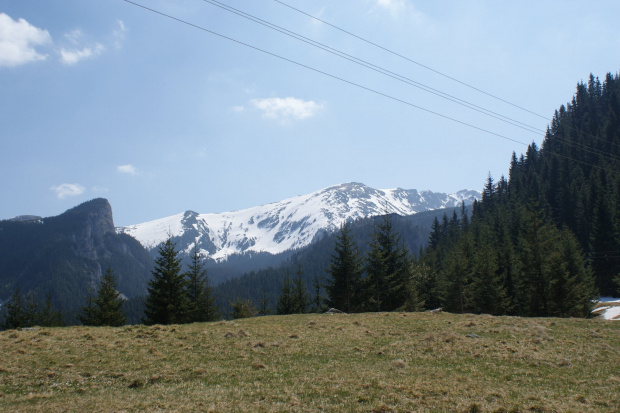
[[96, 214]]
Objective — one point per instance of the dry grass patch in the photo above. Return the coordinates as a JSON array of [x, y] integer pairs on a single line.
[[356, 363]]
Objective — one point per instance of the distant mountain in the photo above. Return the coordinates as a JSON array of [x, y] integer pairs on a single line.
[[290, 224], [264, 284], [66, 254]]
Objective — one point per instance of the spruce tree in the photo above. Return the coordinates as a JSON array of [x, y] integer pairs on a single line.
[[264, 304], [108, 302], [16, 312], [243, 308], [105, 308], [286, 300], [166, 302], [87, 312], [571, 285], [200, 296], [301, 298], [455, 277], [488, 291], [538, 256], [318, 299], [345, 268], [388, 270], [49, 316]]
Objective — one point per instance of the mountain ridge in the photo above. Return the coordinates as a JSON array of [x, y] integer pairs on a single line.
[[289, 224]]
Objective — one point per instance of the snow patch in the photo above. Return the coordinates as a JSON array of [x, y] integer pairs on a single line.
[[294, 222]]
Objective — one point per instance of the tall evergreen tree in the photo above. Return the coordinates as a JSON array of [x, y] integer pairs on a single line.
[[105, 308], [202, 305], [318, 305], [49, 316], [488, 290], [293, 298], [109, 302], [388, 270], [571, 286], [344, 287], [87, 311], [16, 316], [166, 302], [300, 293]]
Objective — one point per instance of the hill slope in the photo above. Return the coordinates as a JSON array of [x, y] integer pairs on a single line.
[[383, 362]]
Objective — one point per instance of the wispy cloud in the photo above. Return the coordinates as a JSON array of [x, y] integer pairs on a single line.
[[18, 40], [128, 169], [393, 6], [119, 34], [78, 51], [70, 57], [65, 190], [287, 109]]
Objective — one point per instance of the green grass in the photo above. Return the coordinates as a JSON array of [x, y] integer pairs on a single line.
[[319, 362]]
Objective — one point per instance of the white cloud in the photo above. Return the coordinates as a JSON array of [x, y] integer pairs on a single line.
[[287, 109], [74, 36], [65, 190], [238, 109], [17, 41], [127, 169], [393, 6], [73, 56], [119, 34]]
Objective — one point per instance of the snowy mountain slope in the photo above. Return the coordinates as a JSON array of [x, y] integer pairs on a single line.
[[289, 224]]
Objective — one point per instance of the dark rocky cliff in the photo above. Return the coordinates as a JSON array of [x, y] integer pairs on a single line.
[[67, 254]]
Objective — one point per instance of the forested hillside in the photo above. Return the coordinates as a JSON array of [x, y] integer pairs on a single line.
[[547, 240], [63, 256], [264, 286]]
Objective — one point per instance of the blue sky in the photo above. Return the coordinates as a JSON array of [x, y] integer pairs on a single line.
[[102, 98]]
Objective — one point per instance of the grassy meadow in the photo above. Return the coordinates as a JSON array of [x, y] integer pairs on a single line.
[[381, 362]]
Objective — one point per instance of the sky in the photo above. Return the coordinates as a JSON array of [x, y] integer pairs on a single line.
[[188, 106]]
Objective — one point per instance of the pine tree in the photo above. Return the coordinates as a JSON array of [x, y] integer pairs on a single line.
[[343, 289], [264, 303], [87, 312], [243, 308], [16, 312], [455, 277], [286, 304], [571, 284], [31, 310], [49, 316], [108, 302], [202, 305], [318, 299], [537, 254], [301, 298], [388, 270], [104, 309], [414, 300], [166, 302], [488, 292]]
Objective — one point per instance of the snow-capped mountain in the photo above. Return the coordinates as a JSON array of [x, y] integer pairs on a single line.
[[289, 224]]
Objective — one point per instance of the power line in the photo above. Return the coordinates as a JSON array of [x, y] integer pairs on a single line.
[[412, 61], [376, 68], [340, 79], [404, 79], [442, 74], [326, 74]]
